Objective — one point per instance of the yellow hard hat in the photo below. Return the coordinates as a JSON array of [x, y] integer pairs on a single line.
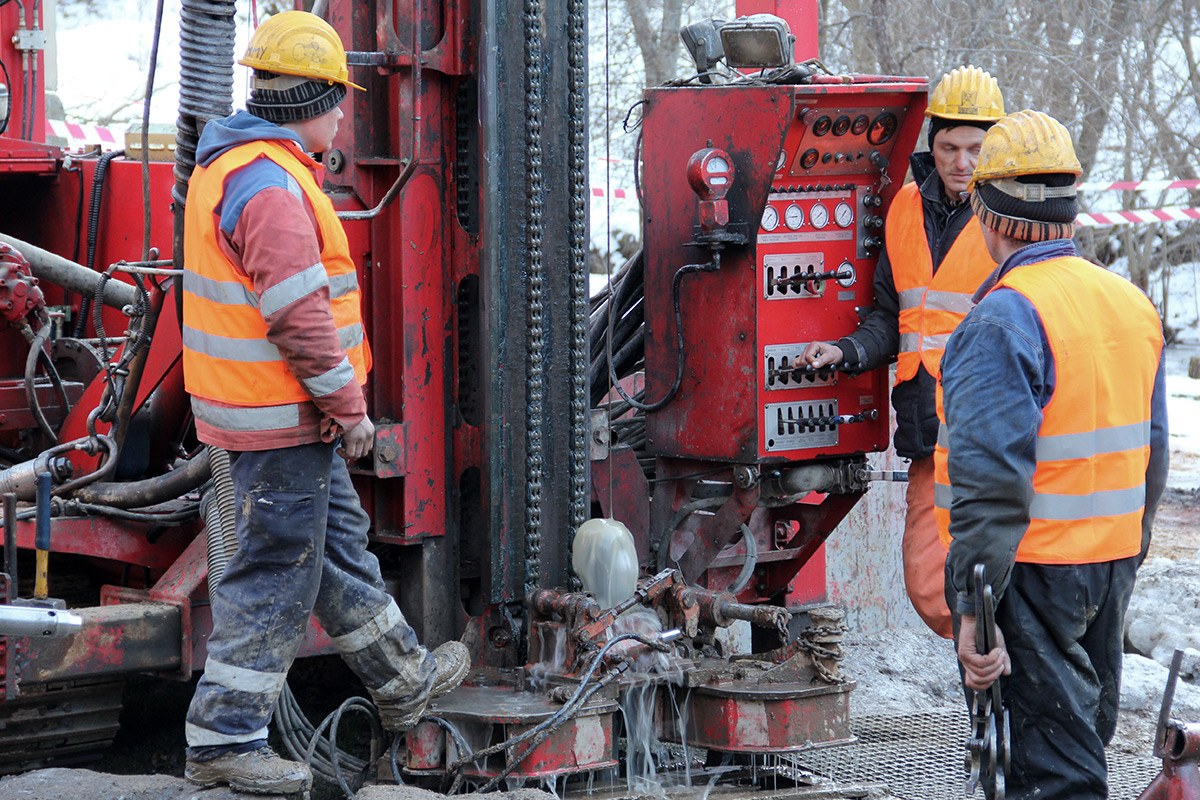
[[1024, 143], [299, 43], [966, 93]]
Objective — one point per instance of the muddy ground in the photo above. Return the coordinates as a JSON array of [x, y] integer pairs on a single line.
[[897, 672]]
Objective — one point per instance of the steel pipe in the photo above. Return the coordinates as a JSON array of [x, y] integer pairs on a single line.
[[69, 275]]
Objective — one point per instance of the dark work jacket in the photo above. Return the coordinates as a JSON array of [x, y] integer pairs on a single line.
[[877, 339]]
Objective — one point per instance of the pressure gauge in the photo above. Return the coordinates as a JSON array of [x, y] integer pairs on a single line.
[[770, 219], [818, 215], [793, 216], [843, 215], [782, 162]]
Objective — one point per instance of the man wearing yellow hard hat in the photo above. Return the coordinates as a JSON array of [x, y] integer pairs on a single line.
[[1051, 460], [275, 358], [933, 262]]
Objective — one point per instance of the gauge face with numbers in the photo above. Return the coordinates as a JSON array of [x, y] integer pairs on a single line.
[[818, 215], [843, 215], [793, 216], [770, 218], [782, 162]]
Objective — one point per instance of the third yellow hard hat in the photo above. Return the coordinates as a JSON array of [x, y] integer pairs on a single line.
[[1025, 143], [299, 43], [968, 94]]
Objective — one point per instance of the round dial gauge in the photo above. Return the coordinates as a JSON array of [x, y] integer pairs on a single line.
[[809, 159], [883, 127], [841, 125], [793, 216], [782, 162], [770, 219], [818, 215], [822, 126], [861, 123], [843, 215]]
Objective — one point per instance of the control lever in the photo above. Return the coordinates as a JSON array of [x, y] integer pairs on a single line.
[[988, 748], [804, 423]]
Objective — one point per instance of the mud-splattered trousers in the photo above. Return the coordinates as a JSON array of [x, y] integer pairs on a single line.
[[302, 549]]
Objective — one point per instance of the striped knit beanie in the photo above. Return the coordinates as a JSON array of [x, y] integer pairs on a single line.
[[291, 98], [1031, 208]]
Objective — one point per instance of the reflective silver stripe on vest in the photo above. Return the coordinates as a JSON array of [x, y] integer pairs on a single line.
[[247, 418], [293, 186], [937, 342], [331, 381], [254, 350], [342, 285], [942, 495], [293, 287], [956, 302], [226, 347], [1085, 445], [1070, 507], [351, 336], [227, 293], [912, 342], [910, 298], [1067, 446]]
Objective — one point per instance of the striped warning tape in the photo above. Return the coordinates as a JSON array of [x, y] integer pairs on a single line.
[[1138, 186], [82, 134], [1176, 214]]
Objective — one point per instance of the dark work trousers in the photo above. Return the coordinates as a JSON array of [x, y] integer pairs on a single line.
[[1063, 626], [302, 550]]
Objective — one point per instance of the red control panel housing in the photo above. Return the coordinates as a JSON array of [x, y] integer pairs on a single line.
[[816, 167]]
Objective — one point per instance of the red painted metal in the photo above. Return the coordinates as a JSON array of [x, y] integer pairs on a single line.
[[1180, 776], [487, 715], [744, 717]]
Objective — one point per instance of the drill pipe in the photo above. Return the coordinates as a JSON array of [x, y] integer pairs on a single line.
[[69, 275]]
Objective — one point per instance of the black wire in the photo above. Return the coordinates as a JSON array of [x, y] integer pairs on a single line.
[[670, 395], [158, 17]]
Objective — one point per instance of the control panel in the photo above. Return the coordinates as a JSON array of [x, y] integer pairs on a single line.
[[819, 239]]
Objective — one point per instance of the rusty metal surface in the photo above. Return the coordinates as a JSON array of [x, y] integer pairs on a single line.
[[745, 717], [116, 639], [488, 715]]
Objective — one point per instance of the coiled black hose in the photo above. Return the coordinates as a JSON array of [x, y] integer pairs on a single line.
[[93, 230], [206, 39]]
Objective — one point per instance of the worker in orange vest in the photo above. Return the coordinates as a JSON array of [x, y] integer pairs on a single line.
[[1050, 462], [933, 263], [275, 358]]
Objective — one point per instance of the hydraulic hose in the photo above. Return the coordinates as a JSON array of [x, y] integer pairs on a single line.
[[152, 491], [218, 506], [93, 230], [206, 38]]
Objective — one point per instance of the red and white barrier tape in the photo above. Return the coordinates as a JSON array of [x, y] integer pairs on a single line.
[[82, 134], [619, 194], [1137, 186], [1177, 214]]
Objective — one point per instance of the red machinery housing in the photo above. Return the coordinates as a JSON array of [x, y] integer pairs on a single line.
[[461, 177]]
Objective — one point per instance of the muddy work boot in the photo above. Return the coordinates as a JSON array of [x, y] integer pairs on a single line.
[[258, 772], [401, 714]]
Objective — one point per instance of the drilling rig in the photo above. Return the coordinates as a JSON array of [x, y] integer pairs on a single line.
[[511, 406]]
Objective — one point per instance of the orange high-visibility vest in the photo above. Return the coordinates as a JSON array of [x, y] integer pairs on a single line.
[[226, 355], [931, 305], [1094, 442]]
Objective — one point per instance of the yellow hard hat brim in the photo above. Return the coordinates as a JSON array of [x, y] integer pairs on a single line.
[[255, 64]]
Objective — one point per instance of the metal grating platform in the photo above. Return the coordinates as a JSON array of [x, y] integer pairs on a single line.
[[921, 757]]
